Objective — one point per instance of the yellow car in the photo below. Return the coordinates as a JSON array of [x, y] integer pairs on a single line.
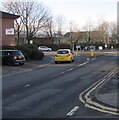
[[64, 55]]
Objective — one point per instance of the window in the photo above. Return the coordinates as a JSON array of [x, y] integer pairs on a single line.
[[63, 52], [7, 53], [18, 53]]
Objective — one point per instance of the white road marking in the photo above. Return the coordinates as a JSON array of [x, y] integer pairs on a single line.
[[88, 59], [27, 85], [83, 64], [42, 65], [62, 72], [73, 111], [93, 58], [73, 68], [70, 69]]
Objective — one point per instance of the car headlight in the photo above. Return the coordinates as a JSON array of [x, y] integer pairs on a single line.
[[15, 57]]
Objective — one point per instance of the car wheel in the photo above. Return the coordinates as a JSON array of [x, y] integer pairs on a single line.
[[11, 62], [73, 60], [56, 62], [70, 61], [21, 63]]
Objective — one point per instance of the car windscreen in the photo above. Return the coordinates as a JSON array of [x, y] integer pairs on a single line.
[[43, 47], [6, 53], [18, 53], [63, 52]]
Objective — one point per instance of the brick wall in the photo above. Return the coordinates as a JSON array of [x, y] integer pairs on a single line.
[[42, 41], [7, 40], [0, 31]]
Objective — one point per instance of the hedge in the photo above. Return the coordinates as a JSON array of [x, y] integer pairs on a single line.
[[30, 52]]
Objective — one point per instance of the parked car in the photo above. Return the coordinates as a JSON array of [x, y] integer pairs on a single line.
[[12, 57], [44, 48], [64, 55]]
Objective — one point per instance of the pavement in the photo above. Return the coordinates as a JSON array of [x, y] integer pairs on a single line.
[[108, 93], [28, 66]]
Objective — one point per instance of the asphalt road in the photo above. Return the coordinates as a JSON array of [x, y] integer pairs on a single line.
[[53, 90]]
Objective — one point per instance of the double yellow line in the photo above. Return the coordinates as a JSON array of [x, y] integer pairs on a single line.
[[85, 96]]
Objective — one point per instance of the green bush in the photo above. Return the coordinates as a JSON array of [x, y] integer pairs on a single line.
[[31, 46], [37, 55], [25, 50], [30, 52]]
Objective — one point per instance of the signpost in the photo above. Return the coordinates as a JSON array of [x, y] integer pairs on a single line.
[[78, 47], [9, 31]]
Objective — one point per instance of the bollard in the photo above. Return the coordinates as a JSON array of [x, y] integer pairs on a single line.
[[91, 52]]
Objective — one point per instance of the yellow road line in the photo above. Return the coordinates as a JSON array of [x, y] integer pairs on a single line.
[[98, 109], [95, 105]]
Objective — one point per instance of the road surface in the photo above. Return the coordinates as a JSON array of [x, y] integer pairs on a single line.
[[52, 90]]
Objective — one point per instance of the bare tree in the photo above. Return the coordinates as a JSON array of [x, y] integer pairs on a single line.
[[49, 29], [113, 32], [32, 15], [71, 35], [59, 21], [74, 35], [103, 28], [88, 29]]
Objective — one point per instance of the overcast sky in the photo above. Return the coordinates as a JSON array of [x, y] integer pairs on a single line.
[[80, 11]]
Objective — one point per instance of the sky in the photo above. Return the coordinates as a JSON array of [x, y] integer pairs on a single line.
[[80, 12]]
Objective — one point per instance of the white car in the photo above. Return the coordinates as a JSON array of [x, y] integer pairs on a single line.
[[44, 48]]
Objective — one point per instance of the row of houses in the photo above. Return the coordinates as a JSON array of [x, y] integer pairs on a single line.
[[8, 36]]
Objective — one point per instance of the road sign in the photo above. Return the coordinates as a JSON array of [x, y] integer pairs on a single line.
[[78, 47]]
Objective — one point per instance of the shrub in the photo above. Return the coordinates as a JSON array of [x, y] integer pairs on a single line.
[[31, 46], [36, 55], [30, 52], [25, 50]]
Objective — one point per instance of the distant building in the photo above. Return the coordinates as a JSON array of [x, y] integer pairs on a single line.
[[83, 36], [7, 28], [42, 41]]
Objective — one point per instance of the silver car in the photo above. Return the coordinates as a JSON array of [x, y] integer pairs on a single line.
[[44, 48]]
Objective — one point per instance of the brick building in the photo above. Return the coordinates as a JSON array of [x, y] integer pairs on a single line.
[[42, 41], [8, 33]]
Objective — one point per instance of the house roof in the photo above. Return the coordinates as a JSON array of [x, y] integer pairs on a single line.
[[8, 15], [81, 33]]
